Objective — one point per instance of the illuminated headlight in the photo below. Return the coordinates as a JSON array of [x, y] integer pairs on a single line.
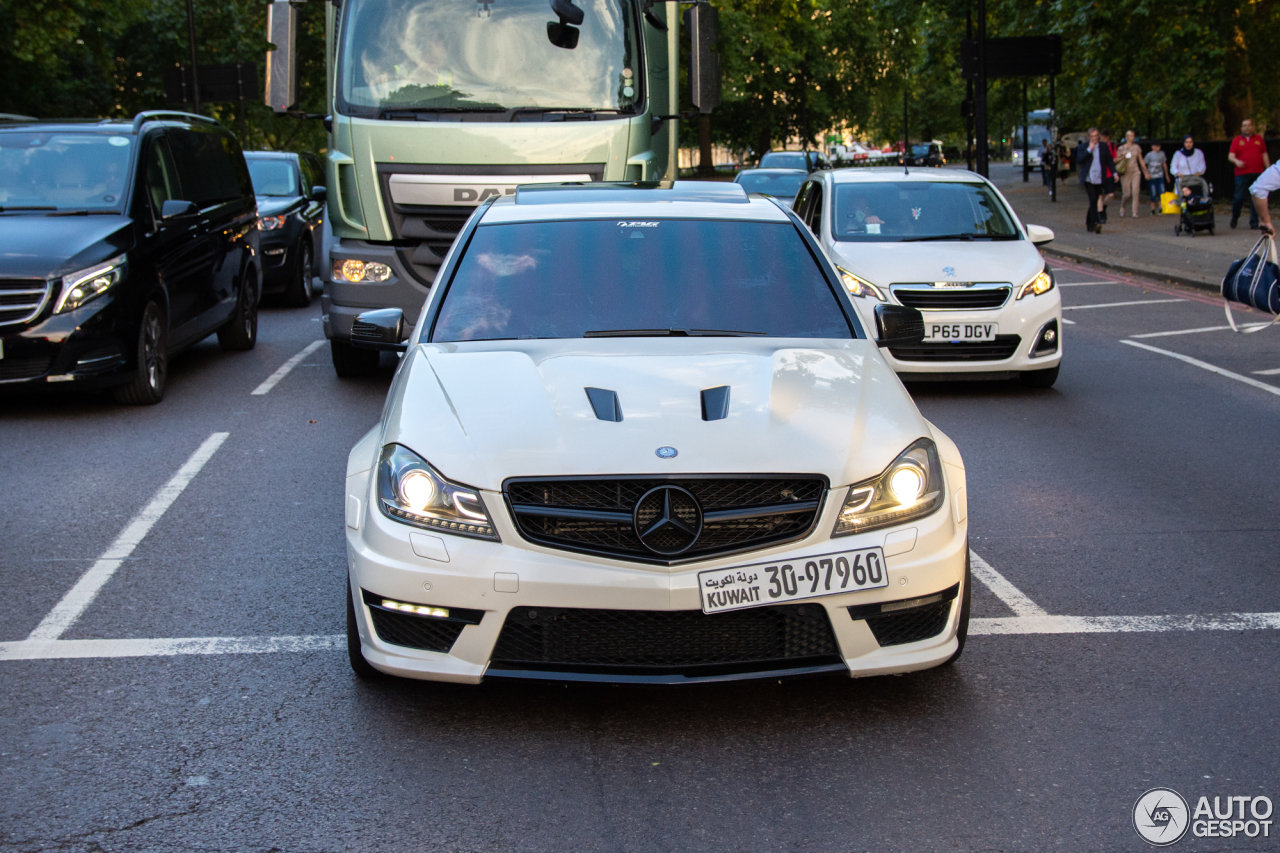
[[909, 488], [1042, 283], [270, 223], [859, 287], [85, 285], [349, 269], [411, 491]]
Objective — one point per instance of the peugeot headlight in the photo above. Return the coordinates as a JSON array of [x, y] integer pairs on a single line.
[[909, 488], [87, 284], [411, 491], [270, 223], [859, 287], [1042, 283], [349, 269]]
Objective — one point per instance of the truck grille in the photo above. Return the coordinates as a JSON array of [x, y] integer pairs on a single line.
[[22, 299], [715, 515], [929, 298], [1004, 346]]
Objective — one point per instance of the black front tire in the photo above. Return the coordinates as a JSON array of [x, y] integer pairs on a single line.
[[241, 331], [300, 288], [1040, 378], [966, 601], [148, 383], [359, 665], [352, 363]]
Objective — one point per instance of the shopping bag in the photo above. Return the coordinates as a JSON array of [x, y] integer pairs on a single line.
[[1254, 280], [1169, 203]]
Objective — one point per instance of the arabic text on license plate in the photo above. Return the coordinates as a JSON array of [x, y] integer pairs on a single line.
[[961, 331], [806, 577]]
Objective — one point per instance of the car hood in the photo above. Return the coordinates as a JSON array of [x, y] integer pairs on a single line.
[[483, 414], [1013, 261], [274, 205], [48, 246]]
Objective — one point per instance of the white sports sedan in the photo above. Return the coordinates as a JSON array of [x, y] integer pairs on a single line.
[[640, 434], [945, 242]]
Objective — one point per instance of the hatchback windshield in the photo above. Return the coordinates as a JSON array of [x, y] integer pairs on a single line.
[[486, 56], [784, 160], [574, 279], [905, 211], [63, 171], [273, 177], [776, 184]]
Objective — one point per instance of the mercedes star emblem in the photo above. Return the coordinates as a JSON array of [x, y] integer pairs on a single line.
[[668, 520]]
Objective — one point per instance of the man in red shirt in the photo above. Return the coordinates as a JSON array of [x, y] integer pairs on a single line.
[[1249, 155]]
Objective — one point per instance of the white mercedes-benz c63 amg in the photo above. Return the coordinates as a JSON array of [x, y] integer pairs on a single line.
[[640, 434]]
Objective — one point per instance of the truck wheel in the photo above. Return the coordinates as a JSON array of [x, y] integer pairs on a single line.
[[352, 363], [300, 289], [241, 331], [1040, 378], [147, 385]]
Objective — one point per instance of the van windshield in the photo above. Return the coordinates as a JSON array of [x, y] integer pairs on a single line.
[[606, 278], [63, 170], [490, 56]]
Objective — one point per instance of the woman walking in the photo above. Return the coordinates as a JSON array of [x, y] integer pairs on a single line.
[[1130, 167]]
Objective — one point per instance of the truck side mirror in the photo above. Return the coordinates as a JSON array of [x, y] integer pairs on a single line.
[[899, 326], [282, 77], [381, 329], [704, 66]]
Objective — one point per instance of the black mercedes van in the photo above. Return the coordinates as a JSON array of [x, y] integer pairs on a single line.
[[122, 242]]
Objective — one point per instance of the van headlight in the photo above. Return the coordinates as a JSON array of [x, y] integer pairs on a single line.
[[911, 487], [857, 286], [411, 491], [1041, 283], [88, 284]]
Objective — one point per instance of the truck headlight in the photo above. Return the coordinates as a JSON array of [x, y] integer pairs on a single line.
[[1041, 283], [412, 492], [88, 284], [859, 287], [911, 487], [349, 269]]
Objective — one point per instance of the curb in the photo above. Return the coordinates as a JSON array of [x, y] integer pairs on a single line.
[[1080, 257]]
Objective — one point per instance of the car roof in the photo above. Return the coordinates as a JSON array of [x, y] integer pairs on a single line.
[[665, 200], [773, 170], [271, 155], [105, 125], [882, 174]]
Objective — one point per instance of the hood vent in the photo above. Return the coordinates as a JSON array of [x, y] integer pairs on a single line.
[[715, 403], [605, 404]]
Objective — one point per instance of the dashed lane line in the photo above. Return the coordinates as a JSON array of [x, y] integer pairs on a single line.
[[68, 649], [1013, 597], [274, 379], [1195, 331], [79, 597], [1120, 304], [1204, 365], [1068, 322], [1275, 371]]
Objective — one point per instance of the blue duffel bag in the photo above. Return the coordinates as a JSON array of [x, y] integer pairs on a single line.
[[1254, 281]]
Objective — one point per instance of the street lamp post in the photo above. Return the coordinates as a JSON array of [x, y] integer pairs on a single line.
[[191, 37]]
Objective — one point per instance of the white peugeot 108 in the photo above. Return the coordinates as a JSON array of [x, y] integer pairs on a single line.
[[947, 243], [640, 434]]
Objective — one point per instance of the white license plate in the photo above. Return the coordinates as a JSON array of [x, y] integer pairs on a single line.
[[807, 577], [960, 331]]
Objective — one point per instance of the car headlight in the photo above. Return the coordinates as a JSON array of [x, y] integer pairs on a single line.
[[411, 491], [349, 269], [911, 487], [87, 284], [270, 223], [859, 287], [1041, 283]]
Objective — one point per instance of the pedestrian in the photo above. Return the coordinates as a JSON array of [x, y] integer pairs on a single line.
[[1157, 171], [1108, 181], [1095, 165], [1046, 161], [1130, 168], [1188, 168], [1267, 183], [1249, 155]]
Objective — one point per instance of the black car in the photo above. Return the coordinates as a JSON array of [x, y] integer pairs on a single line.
[[810, 161], [291, 195], [122, 242], [926, 154]]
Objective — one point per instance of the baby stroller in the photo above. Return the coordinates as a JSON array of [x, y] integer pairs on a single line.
[[1197, 208]]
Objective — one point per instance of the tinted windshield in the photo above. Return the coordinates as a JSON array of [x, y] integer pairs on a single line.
[[425, 54], [893, 211], [568, 279], [66, 171], [784, 160], [772, 183], [273, 177], [920, 150], [1035, 133]]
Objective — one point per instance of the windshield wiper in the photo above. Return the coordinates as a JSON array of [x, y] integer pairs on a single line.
[[414, 112], [32, 207], [566, 111], [84, 213], [966, 237], [662, 333]]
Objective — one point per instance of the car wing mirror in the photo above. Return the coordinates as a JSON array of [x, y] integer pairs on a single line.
[[319, 194], [382, 329], [899, 326], [177, 209], [1039, 235]]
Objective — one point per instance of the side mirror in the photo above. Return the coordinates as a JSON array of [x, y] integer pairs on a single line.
[[1039, 234], [175, 209], [899, 326], [703, 21], [282, 78], [319, 194], [383, 329]]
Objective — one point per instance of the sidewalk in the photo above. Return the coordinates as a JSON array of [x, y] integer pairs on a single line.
[[1145, 246]]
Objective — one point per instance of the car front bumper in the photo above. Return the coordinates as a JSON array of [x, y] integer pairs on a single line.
[[88, 348]]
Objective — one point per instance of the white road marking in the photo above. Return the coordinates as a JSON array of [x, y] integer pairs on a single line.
[[1124, 624], [1068, 322], [1194, 331], [274, 379], [1207, 366], [68, 610], [1275, 371], [66, 649], [1013, 597], [1120, 304]]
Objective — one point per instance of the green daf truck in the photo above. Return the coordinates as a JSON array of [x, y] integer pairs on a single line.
[[435, 106]]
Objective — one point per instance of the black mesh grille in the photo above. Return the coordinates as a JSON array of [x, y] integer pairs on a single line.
[[952, 299], [616, 535], [23, 368], [448, 226], [600, 640], [1004, 346], [910, 626], [415, 632]]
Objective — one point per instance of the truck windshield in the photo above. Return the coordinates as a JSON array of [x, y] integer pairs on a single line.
[[487, 56], [63, 171], [606, 278]]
